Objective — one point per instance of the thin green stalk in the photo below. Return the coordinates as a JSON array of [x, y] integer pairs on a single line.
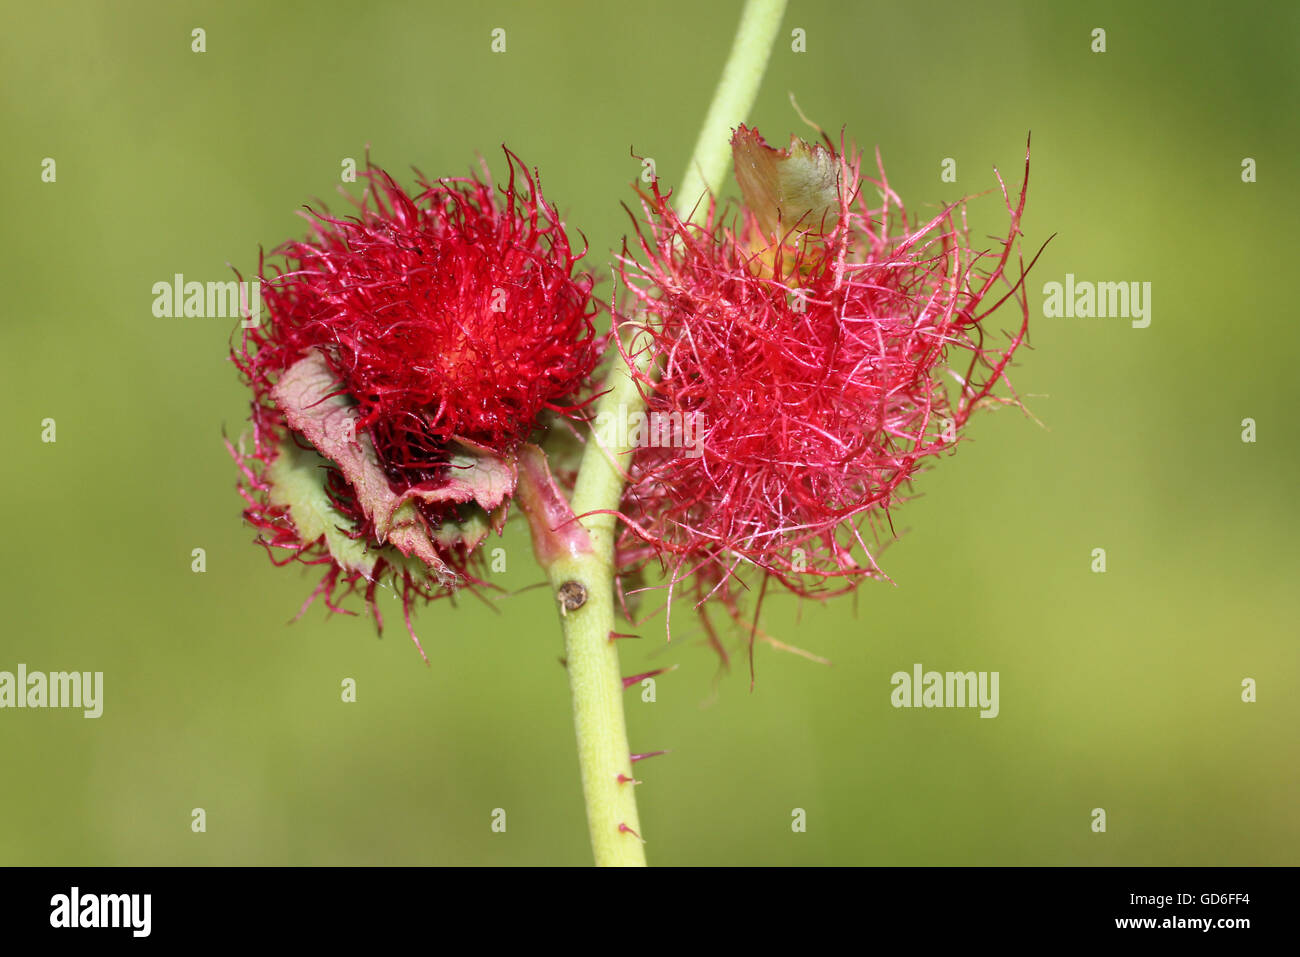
[[592, 658]]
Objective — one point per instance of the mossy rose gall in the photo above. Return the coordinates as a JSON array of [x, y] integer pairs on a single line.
[[409, 352], [819, 350]]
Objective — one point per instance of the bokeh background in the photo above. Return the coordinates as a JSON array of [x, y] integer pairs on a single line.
[[1119, 690]]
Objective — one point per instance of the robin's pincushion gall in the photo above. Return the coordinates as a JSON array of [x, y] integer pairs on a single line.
[[818, 349], [409, 352]]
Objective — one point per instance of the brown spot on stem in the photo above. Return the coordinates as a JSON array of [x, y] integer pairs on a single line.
[[571, 596]]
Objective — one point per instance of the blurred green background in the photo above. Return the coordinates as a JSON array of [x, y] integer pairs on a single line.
[[1118, 690]]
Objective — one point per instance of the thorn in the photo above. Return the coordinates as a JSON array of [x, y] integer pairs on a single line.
[[624, 829], [624, 779], [647, 754], [637, 679], [615, 635]]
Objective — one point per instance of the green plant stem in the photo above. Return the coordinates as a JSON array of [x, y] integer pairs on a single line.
[[591, 654]]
